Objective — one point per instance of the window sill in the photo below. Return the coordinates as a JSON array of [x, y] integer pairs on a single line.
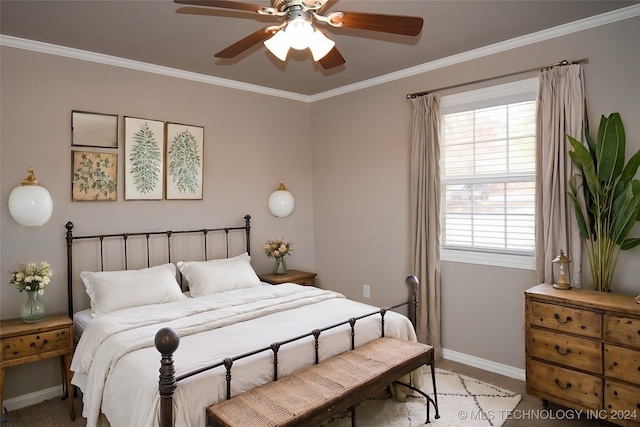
[[522, 262]]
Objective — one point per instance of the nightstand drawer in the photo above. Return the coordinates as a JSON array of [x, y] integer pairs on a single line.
[[566, 350], [306, 282], [38, 343], [567, 319]]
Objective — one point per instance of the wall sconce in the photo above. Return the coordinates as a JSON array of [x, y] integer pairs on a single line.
[[30, 204], [561, 272], [281, 202]]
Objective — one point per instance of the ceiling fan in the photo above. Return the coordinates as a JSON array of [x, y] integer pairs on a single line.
[[299, 32]]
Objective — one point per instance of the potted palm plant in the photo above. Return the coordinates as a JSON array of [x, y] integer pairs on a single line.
[[610, 202]]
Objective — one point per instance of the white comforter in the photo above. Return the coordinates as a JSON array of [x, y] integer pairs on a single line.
[[116, 363]]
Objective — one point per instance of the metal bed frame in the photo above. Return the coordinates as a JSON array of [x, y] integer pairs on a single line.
[[167, 340], [147, 235]]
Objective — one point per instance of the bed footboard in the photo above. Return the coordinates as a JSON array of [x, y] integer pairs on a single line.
[[167, 341]]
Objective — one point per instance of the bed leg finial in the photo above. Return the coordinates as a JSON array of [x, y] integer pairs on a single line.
[[167, 341]]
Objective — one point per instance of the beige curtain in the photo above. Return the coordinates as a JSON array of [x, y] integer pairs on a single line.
[[561, 112], [425, 216]]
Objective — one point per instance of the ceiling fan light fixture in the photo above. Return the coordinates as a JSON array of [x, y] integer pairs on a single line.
[[320, 45], [278, 45], [300, 33]]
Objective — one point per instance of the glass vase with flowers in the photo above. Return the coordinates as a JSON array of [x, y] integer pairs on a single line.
[[32, 279], [278, 249]]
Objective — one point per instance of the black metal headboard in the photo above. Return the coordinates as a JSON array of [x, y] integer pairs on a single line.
[[146, 235]]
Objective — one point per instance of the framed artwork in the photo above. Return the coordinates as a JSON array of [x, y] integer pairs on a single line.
[[94, 176], [144, 159], [94, 129], [185, 145]]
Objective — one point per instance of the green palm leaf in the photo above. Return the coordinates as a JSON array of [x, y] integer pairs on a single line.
[[611, 205]]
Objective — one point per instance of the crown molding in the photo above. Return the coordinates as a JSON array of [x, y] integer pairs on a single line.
[[561, 30], [115, 61]]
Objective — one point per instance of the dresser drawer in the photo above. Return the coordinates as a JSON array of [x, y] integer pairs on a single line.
[[33, 344], [567, 319], [566, 350], [583, 389], [622, 363], [622, 330], [622, 402]]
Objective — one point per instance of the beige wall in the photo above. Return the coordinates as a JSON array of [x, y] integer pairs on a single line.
[[345, 159], [248, 149], [361, 187]]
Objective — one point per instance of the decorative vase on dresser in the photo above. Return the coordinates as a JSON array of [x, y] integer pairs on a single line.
[[583, 352]]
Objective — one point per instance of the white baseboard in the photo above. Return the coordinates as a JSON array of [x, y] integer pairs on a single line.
[[487, 365], [33, 398]]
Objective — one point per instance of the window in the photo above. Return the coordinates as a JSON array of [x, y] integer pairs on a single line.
[[488, 175]]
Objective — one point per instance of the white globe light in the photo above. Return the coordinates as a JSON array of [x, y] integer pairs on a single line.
[[30, 204], [281, 202]]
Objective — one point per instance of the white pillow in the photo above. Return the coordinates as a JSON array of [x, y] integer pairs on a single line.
[[219, 275], [113, 290]]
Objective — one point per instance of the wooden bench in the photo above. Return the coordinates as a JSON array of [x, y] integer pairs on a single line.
[[319, 392]]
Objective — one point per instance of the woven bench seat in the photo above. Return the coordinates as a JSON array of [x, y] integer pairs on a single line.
[[319, 392]]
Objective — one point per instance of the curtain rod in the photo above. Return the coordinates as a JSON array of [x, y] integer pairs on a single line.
[[557, 64]]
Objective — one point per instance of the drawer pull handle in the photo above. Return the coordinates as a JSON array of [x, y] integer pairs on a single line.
[[44, 342], [557, 347], [557, 381], [557, 317]]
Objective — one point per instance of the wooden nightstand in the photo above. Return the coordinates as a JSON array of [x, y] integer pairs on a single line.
[[30, 342], [293, 276]]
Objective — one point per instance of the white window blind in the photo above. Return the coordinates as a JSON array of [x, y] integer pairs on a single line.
[[488, 171]]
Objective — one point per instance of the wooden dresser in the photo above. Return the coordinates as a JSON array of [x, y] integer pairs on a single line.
[[583, 351]]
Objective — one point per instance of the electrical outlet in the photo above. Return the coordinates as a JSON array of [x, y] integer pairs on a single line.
[[366, 291]]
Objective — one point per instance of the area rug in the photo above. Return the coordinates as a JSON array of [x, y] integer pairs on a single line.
[[463, 401]]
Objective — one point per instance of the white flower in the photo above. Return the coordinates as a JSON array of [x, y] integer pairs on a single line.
[[29, 277]]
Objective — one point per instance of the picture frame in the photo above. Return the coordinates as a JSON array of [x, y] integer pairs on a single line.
[[185, 162], [94, 129], [144, 159], [94, 176]]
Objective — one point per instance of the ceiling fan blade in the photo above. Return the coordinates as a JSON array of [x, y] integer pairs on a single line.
[[332, 59], [247, 42], [222, 4], [396, 24]]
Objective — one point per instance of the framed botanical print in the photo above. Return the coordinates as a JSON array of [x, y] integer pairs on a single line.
[[144, 159], [94, 176], [94, 129], [185, 145]]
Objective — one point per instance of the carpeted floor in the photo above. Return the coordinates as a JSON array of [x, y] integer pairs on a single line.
[[527, 413]]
